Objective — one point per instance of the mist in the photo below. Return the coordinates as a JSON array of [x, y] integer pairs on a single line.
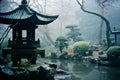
[[70, 14]]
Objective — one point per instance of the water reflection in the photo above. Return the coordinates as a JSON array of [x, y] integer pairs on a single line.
[[86, 71]]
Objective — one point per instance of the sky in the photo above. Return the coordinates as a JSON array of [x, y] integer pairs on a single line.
[[70, 14]]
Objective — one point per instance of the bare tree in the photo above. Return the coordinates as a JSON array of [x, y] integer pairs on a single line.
[[44, 29], [108, 29], [103, 5]]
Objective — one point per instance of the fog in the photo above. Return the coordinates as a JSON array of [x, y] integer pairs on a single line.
[[71, 14]]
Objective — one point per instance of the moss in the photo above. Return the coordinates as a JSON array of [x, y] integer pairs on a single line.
[[81, 47]]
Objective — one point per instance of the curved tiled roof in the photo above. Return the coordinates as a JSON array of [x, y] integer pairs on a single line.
[[115, 32], [25, 14]]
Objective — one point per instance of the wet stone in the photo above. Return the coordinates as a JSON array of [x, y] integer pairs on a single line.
[[6, 73], [23, 74]]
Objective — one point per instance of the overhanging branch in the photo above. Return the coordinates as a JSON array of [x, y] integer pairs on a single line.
[[108, 29]]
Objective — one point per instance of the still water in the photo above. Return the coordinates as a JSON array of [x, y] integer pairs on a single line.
[[85, 71]]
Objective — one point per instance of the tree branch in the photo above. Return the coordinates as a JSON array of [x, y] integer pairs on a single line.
[[108, 30]]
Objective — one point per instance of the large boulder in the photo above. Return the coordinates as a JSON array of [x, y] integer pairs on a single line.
[[40, 73], [103, 57], [6, 73]]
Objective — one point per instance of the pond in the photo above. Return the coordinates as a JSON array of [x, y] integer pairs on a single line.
[[84, 71]]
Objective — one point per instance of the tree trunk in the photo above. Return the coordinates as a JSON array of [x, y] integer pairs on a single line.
[[100, 34], [101, 25], [108, 30]]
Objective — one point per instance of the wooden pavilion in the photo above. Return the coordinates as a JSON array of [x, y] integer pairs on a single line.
[[23, 20]]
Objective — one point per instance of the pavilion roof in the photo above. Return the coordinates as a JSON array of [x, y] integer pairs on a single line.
[[115, 32], [24, 14]]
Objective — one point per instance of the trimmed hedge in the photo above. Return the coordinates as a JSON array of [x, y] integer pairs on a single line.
[[81, 47], [114, 50], [61, 38], [113, 54]]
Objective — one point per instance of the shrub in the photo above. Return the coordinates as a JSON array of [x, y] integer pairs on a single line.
[[61, 42], [64, 55], [114, 50], [53, 55], [61, 38], [113, 54], [81, 47]]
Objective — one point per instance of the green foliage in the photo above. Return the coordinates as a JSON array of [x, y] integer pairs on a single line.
[[74, 33], [114, 50], [81, 47], [61, 42], [113, 54], [63, 55], [61, 38], [103, 46]]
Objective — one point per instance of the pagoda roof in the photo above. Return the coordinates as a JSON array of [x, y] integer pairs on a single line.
[[24, 14], [115, 32]]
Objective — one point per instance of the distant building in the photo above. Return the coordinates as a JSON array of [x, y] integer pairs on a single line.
[[116, 34]]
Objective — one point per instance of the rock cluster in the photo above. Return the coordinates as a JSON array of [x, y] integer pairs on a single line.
[[23, 74]]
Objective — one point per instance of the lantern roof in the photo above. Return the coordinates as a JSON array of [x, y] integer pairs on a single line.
[[25, 14]]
